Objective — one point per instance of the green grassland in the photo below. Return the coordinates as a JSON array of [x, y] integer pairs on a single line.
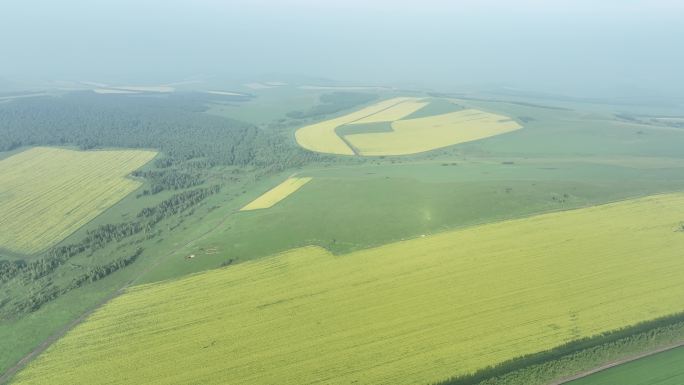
[[268, 105], [403, 313], [21, 331], [666, 368], [350, 129], [351, 208], [562, 159]]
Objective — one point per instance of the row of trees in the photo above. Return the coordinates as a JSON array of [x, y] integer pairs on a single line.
[[178, 203], [44, 292], [526, 369], [177, 127], [169, 179], [96, 273], [36, 275], [191, 143]]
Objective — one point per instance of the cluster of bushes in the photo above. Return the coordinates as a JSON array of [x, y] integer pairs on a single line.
[[9, 269], [168, 179]]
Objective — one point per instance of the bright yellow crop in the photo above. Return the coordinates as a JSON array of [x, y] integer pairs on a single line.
[[48, 193], [395, 112], [276, 194], [410, 312], [321, 137], [423, 134]]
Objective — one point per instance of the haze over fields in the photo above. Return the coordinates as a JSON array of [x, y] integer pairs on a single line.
[[584, 48], [467, 192]]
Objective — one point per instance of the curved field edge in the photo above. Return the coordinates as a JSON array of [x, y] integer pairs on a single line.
[[429, 133], [374, 317], [406, 137], [565, 363], [321, 136]]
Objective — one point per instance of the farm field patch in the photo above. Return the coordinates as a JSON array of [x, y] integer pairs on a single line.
[[415, 311], [321, 137], [48, 193], [276, 194], [423, 134], [406, 135], [395, 112]]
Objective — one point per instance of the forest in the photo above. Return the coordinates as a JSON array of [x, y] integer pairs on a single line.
[[191, 143], [176, 126]]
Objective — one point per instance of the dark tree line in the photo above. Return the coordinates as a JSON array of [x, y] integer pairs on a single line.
[[175, 126], [40, 270], [47, 291], [96, 273], [567, 349], [176, 204], [10, 269], [168, 179], [190, 144]]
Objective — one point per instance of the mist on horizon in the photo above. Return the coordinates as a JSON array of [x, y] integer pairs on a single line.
[[567, 47]]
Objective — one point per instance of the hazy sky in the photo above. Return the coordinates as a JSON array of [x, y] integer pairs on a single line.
[[580, 46]]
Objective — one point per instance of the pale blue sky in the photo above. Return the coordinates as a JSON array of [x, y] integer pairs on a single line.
[[536, 44]]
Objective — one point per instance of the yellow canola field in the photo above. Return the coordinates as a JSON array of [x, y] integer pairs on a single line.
[[321, 137], [48, 193], [276, 194], [423, 134], [411, 312], [396, 112]]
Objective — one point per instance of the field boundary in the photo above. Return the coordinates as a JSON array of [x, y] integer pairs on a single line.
[[14, 369], [616, 363], [7, 376], [107, 171], [571, 348], [348, 112]]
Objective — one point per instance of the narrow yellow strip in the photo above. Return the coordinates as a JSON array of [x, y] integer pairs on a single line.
[[276, 194]]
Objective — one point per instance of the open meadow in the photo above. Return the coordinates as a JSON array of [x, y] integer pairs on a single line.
[[48, 193], [186, 217], [415, 311]]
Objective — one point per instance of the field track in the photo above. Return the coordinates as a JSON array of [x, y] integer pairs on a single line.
[[10, 372]]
